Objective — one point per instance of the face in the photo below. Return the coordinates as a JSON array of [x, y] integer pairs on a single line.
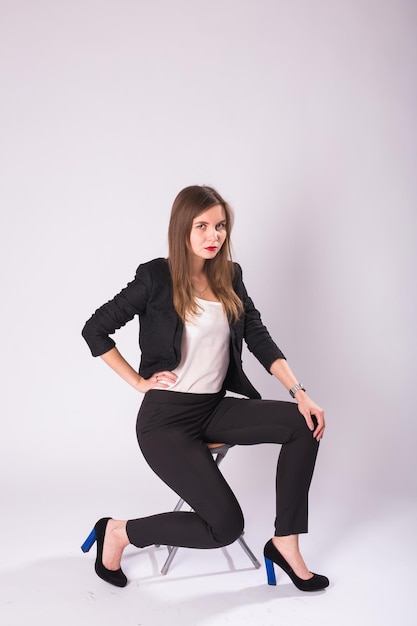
[[208, 233]]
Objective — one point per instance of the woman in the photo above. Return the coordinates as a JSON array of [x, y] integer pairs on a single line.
[[194, 312]]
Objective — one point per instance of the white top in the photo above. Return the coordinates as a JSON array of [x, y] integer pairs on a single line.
[[204, 351]]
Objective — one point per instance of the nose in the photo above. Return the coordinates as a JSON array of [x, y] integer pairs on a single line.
[[214, 234]]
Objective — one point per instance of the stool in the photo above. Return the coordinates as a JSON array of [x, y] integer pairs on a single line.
[[219, 451]]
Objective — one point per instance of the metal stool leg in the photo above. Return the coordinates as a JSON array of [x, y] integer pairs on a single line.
[[248, 551], [219, 452], [172, 550]]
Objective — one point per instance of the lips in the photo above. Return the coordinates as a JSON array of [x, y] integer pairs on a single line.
[[211, 248]]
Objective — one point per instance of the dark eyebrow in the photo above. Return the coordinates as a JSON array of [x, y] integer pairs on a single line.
[[202, 222]]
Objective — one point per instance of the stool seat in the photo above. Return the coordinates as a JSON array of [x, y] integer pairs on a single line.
[[219, 451]]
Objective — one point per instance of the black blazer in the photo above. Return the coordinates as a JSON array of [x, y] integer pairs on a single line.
[[150, 296]]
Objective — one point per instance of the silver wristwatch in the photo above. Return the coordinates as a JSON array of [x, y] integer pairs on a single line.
[[296, 388]]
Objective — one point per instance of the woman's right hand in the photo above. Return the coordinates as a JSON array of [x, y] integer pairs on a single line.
[[159, 380]]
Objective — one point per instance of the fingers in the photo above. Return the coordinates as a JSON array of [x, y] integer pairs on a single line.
[[164, 379], [319, 430], [317, 425], [308, 420]]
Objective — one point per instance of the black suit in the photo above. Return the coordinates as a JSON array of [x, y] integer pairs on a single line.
[[173, 428], [149, 296]]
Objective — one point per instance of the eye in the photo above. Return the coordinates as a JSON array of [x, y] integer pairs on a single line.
[[201, 226], [221, 226]]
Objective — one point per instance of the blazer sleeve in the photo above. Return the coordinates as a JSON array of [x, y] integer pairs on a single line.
[[255, 333], [116, 313]]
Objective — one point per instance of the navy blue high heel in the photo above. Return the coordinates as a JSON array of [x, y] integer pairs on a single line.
[[272, 555], [89, 542], [114, 577]]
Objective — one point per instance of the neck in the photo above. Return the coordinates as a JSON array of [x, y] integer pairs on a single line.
[[198, 277]]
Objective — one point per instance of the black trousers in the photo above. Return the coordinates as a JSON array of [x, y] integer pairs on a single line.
[[173, 430]]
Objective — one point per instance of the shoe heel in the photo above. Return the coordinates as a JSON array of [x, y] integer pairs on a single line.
[[89, 542], [270, 572]]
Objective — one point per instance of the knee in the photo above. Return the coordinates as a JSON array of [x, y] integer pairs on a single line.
[[228, 529]]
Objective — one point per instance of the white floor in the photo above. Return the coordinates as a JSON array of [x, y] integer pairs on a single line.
[[46, 580]]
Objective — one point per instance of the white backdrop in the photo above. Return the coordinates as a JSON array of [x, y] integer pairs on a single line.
[[302, 114]]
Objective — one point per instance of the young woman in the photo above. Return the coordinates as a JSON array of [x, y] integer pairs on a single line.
[[194, 313]]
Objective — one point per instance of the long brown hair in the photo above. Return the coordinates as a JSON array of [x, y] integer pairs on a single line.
[[189, 203]]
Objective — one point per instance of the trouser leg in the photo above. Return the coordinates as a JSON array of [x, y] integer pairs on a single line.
[[246, 422], [186, 465]]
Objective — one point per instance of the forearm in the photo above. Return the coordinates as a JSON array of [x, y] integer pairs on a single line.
[[118, 364], [282, 371]]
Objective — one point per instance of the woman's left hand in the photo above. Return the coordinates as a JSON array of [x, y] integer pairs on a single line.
[[307, 408]]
